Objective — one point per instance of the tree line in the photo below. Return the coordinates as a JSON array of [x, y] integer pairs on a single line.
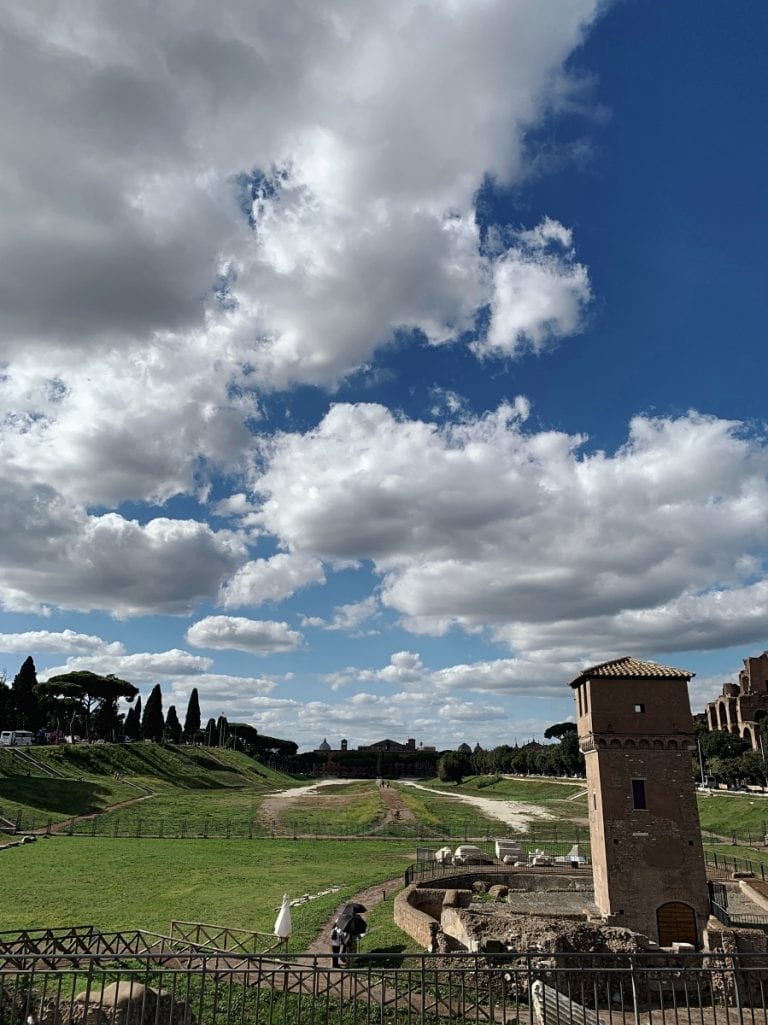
[[561, 759], [86, 705]]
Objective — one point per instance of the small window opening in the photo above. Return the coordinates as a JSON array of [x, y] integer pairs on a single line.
[[638, 793], [639, 708]]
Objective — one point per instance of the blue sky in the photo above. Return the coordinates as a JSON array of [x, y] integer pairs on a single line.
[[375, 369]]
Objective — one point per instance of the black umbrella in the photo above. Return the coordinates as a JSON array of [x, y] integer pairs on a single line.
[[355, 926], [352, 908], [348, 913]]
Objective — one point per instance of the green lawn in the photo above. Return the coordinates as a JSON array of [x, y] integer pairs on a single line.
[[124, 884], [531, 791], [727, 813], [39, 800], [182, 813], [443, 817], [335, 810], [191, 789], [565, 801]]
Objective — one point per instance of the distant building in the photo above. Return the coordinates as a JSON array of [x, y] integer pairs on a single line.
[[742, 706], [636, 732], [388, 745], [384, 757]]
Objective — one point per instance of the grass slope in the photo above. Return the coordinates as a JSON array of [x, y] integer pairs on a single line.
[[565, 800], [123, 884], [97, 776], [731, 813]]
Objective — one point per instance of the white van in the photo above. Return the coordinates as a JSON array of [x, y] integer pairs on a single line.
[[16, 738]]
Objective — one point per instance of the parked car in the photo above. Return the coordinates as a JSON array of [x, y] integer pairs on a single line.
[[16, 738]]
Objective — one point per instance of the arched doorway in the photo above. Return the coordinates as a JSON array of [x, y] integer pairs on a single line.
[[677, 924]]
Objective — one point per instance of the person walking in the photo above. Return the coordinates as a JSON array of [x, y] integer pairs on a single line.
[[335, 944]]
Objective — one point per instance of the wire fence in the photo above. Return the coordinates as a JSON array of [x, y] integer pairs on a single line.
[[217, 827], [147, 983]]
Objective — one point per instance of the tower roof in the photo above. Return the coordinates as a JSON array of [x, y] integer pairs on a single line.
[[631, 668]]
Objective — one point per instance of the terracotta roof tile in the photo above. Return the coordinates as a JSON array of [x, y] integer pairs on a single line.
[[628, 667]]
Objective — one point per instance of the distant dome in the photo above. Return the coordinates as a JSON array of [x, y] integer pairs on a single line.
[[325, 746]]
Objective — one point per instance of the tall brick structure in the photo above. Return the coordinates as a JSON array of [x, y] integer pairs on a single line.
[[636, 732], [742, 706]]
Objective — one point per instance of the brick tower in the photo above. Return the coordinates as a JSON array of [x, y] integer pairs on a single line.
[[636, 732]]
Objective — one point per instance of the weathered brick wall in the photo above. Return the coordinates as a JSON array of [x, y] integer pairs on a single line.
[[417, 907], [515, 879]]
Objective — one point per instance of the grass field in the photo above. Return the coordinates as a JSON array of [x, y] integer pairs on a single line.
[[445, 817], [343, 809], [124, 884], [566, 801], [732, 813], [184, 782]]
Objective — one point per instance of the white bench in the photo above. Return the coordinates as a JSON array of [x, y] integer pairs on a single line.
[[554, 1008]]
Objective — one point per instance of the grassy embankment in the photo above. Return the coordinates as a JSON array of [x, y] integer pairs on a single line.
[[731, 814], [123, 884], [175, 779], [565, 802]]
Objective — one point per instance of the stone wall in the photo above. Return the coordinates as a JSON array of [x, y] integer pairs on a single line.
[[418, 908], [528, 882]]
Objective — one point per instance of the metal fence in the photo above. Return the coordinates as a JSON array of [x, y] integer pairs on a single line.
[[136, 826], [144, 826], [724, 866], [141, 987]]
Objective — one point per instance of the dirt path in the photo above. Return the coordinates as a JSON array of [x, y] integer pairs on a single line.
[[273, 806], [396, 808], [513, 813], [369, 898]]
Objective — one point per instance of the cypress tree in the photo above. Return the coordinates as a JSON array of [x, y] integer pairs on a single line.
[[172, 726], [133, 721], [222, 731], [152, 722], [6, 704], [24, 698], [192, 718], [211, 738]]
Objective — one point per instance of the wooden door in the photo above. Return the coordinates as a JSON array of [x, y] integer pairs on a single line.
[[677, 924]]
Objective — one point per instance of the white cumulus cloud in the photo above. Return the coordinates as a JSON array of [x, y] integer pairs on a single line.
[[59, 642], [484, 524], [236, 633]]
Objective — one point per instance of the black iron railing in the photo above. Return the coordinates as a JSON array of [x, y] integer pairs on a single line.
[[190, 988]]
